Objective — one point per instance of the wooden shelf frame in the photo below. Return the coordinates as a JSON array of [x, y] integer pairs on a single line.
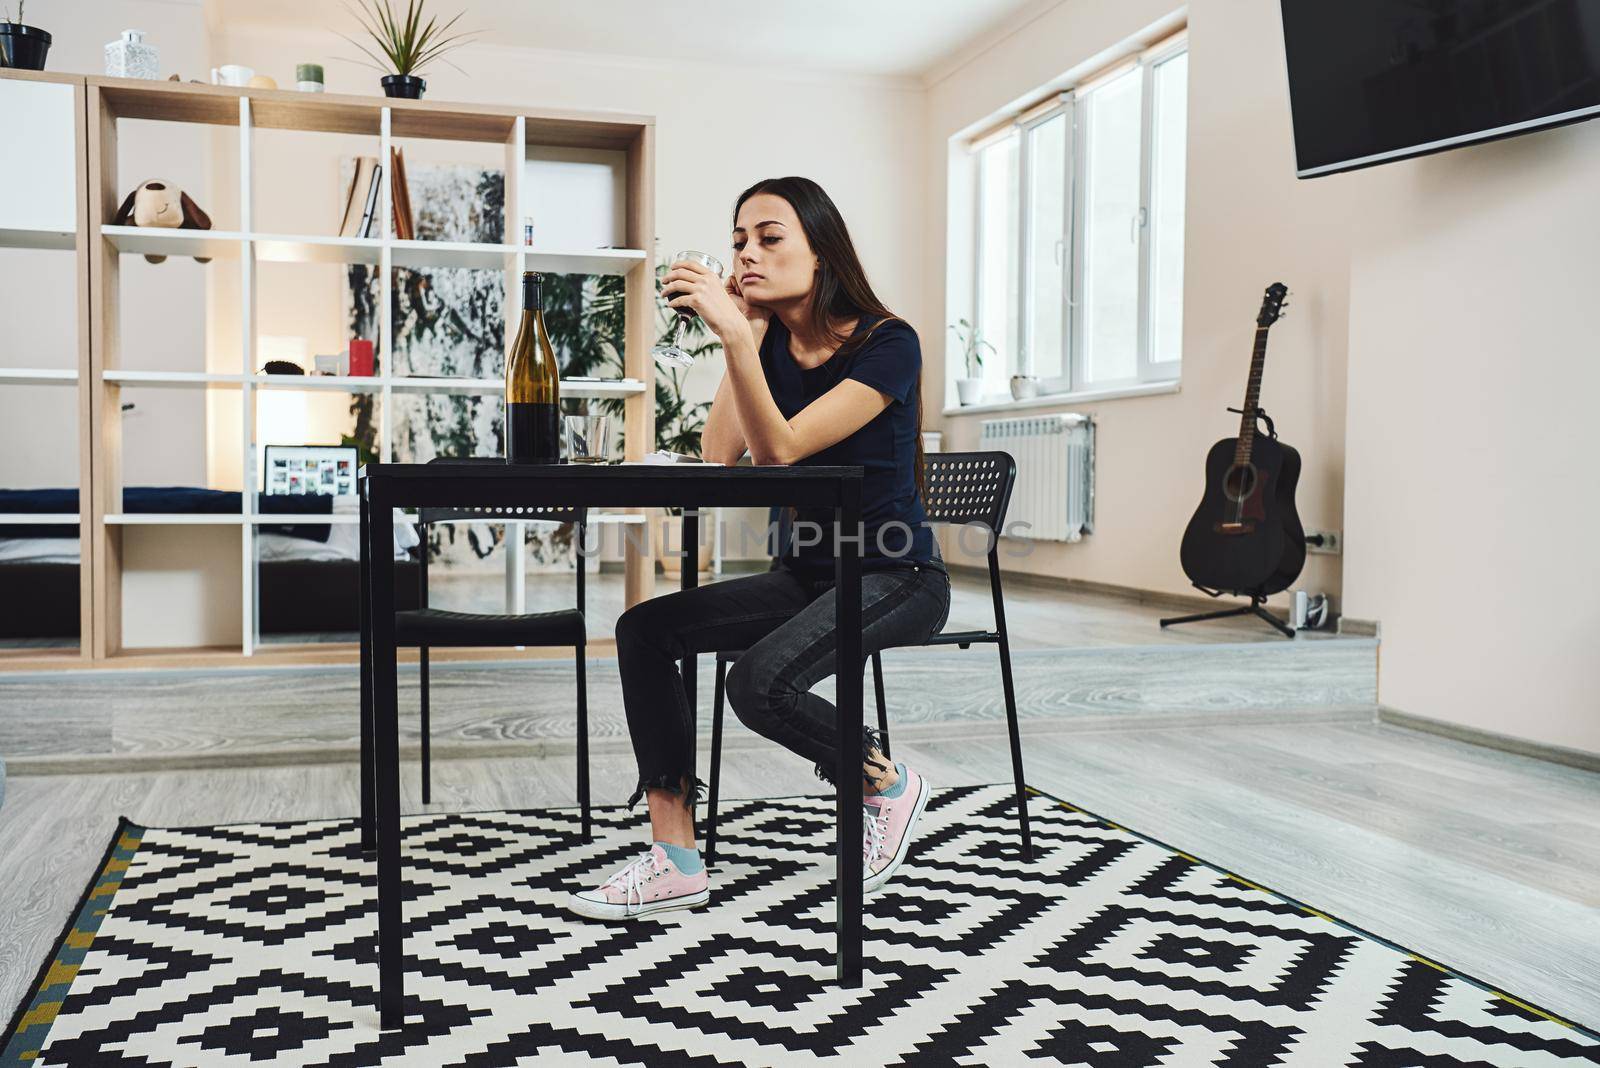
[[314, 248], [54, 242], [570, 387], [108, 101]]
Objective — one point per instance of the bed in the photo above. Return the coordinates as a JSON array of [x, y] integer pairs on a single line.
[[308, 572]]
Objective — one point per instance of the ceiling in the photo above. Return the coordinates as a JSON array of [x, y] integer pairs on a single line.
[[886, 38]]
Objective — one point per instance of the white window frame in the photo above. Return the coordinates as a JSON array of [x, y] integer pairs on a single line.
[[978, 230], [1152, 60], [1020, 359], [1065, 105]]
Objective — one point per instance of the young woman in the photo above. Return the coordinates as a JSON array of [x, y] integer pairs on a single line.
[[818, 372]]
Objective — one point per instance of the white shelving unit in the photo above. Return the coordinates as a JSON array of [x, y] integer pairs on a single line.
[[575, 388], [63, 240], [38, 376], [43, 214], [41, 519], [242, 248]]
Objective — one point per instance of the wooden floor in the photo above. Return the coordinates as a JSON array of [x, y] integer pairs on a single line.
[[1039, 617], [1482, 860]]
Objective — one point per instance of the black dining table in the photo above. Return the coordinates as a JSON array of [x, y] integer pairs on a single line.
[[496, 485]]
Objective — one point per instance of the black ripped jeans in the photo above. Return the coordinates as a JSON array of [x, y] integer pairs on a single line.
[[786, 625]]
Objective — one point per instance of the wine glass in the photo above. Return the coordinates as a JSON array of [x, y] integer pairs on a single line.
[[670, 352]]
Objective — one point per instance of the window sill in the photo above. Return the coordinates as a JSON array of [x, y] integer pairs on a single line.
[[1056, 400]]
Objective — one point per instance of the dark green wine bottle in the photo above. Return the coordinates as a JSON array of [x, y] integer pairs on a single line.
[[533, 385]]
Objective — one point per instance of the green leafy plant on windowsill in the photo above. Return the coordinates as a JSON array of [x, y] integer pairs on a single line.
[[970, 388], [972, 345]]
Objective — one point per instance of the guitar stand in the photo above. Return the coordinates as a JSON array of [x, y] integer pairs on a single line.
[[1253, 608], [1261, 417]]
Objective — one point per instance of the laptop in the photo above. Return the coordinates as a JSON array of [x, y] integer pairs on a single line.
[[299, 469]]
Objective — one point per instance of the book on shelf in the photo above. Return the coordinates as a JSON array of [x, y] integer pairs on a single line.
[[400, 195], [360, 198], [369, 218]]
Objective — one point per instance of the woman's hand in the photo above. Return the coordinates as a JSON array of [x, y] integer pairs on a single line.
[[757, 316], [693, 286]]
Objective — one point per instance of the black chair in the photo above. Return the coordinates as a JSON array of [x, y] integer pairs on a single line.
[[427, 627], [962, 488]]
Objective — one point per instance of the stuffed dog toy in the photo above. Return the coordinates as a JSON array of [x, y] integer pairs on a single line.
[[159, 203]]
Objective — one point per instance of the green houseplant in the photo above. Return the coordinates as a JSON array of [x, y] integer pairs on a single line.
[[403, 45], [588, 326], [970, 339], [21, 47], [587, 320]]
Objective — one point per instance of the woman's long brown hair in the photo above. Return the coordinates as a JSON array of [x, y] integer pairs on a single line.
[[841, 290]]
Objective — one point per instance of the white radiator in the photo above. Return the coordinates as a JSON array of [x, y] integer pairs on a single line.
[[1053, 497]]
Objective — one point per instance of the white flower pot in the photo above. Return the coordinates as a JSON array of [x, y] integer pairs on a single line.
[[969, 390], [1024, 387]]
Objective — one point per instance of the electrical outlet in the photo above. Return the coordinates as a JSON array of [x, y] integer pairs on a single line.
[[1331, 542]]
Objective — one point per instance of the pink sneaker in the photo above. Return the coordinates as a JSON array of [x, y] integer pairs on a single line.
[[648, 884], [887, 826]]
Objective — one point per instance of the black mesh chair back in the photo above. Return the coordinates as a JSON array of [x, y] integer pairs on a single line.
[[959, 488], [969, 487], [494, 514], [500, 514]]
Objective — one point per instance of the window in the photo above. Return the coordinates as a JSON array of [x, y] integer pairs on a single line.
[[1079, 235], [998, 215]]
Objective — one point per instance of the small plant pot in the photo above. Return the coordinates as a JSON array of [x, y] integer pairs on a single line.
[[405, 86], [1024, 387], [23, 47], [969, 390]]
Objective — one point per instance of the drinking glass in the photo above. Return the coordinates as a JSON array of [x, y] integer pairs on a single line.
[[588, 438], [670, 351]]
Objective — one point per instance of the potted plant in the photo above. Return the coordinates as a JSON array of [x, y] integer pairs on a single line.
[[21, 47], [405, 44], [587, 318], [968, 389]]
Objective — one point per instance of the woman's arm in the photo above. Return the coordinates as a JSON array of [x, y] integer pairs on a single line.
[[722, 440], [771, 438]]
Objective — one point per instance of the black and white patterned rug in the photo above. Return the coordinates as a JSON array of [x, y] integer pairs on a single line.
[[254, 943]]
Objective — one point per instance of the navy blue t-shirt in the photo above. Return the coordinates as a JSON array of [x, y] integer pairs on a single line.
[[886, 448]]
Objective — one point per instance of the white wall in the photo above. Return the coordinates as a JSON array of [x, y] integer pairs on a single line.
[[1472, 497], [1447, 290], [1250, 223]]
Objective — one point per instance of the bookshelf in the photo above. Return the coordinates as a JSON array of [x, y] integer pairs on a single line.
[[43, 214], [107, 104]]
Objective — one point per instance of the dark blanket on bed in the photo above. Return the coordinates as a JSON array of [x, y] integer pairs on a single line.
[[147, 499]]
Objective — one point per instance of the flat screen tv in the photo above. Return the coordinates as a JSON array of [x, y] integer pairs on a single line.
[[1377, 80]]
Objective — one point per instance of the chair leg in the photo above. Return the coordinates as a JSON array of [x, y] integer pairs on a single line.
[[1016, 746], [716, 761], [427, 767], [877, 689], [583, 745]]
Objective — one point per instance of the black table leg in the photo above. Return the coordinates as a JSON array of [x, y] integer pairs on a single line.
[[688, 579], [369, 841], [847, 699], [386, 764]]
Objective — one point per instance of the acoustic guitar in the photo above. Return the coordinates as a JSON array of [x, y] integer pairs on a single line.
[[1246, 537]]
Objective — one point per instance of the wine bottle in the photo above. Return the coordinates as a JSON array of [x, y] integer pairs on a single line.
[[533, 385]]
